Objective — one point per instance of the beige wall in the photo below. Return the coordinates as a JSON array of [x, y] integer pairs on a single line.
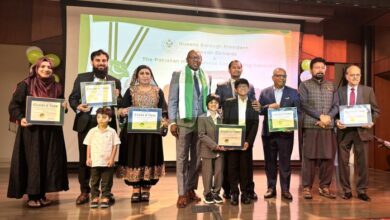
[[14, 68]]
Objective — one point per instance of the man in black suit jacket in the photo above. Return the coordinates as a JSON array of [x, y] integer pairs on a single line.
[[277, 144], [86, 116], [226, 90], [239, 111]]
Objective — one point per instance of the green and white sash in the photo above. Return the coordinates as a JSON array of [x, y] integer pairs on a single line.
[[186, 91]]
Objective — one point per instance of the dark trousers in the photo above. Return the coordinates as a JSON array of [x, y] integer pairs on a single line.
[[101, 176], [351, 137], [278, 145], [238, 165], [326, 167], [84, 170]]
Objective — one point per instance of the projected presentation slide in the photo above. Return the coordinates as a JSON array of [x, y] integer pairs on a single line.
[[162, 42]]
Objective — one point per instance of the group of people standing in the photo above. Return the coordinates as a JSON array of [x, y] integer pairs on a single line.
[[39, 158]]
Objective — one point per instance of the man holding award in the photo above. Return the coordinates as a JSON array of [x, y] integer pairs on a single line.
[[320, 104], [279, 143], [358, 111], [188, 91], [91, 90]]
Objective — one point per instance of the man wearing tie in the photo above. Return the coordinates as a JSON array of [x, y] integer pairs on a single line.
[[359, 137], [86, 115], [226, 90], [277, 144], [187, 100]]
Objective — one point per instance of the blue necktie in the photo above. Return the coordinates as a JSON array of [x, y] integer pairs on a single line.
[[196, 84]]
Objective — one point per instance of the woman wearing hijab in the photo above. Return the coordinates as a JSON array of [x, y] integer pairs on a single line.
[[38, 162], [141, 155]]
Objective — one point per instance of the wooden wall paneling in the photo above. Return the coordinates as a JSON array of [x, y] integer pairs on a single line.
[[46, 19], [312, 46], [335, 51]]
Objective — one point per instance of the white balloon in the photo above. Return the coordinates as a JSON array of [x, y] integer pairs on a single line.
[[305, 75], [33, 48]]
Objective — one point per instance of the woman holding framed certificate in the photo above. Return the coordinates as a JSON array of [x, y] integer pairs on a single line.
[[141, 154], [39, 160]]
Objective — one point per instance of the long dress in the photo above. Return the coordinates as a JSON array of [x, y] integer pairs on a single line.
[[141, 156], [38, 163]]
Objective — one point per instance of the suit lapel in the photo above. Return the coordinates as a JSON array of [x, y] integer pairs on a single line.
[[359, 98], [284, 96], [230, 91], [344, 96]]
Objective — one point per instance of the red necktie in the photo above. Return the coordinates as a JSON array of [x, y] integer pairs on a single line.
[[352, 97]]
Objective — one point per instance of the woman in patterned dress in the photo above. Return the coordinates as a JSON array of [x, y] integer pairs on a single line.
[[141, 156]]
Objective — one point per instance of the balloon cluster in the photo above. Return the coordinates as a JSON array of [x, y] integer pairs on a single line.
[[305, 74], [34, 53]]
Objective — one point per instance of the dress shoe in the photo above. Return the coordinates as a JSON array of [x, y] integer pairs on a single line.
[[307, 193], [181, 202], [253, 196], [135, 197], [226, 195], [287, 195], [271, 193], [347, 195], [145, 196], [191, 196], [82, 199], [245, 199], [325, 192], [364, 197], [234, 199]]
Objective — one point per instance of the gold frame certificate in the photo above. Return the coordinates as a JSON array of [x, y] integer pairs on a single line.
[[282, 119], [144, 120], [44, 111], [355, 115], [98, 93], [230, 136]]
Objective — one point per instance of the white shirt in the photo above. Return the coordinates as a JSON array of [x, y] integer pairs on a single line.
[[101, 143], [278, 94], [242, 110], [349, 93], [214, 118]]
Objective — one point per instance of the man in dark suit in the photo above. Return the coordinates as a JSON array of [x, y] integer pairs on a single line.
[[86, 115], [226, 90], [239, 111], [359, 137], [277, 143]]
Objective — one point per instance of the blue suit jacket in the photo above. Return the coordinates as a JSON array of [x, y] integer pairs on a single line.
[[224, 90], [290, 98]]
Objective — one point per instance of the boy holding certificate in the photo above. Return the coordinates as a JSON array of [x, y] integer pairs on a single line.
[[102, 142], [210, 151], [239, 111]]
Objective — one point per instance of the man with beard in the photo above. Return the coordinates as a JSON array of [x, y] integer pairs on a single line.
[[319, 101], [86, 115], [188, 91]]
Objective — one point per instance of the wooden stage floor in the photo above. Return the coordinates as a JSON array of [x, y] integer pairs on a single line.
[[164, 195]]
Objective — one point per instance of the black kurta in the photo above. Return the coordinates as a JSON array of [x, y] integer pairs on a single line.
[[38, 162]]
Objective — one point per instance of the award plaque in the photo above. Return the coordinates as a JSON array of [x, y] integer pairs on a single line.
[[355, 115], [44, 111], [98, 93], [282, 119], [230, 136], [144, 120]]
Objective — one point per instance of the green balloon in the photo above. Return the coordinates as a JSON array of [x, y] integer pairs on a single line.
[[34, 55], [54, 59], [305, 64]]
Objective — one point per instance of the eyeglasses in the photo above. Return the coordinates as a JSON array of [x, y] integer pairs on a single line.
[[195, 58], [278, 76]]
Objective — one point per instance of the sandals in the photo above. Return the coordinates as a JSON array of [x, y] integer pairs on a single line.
[[105, 203], [45, 202], [94, 203], [34, 203]]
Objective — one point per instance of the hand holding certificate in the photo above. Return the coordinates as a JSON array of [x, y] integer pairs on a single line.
[[231, 137], [45, 111], [282, 119], [356, 115], [98, 93]]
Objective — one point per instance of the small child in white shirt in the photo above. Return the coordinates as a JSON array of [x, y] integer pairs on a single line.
[[102, 142]]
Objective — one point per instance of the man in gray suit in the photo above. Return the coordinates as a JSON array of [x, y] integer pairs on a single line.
[[359, 137], [187, 100]]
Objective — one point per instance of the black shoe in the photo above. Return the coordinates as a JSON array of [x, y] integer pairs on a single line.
[[145, 196], [135, 197], [111, 199], [271, 193], [234, 199], [364, 197], [226, 195], [347, 195], [245, 199], [253, 196], [287, 195], [209, 198], [217, 198]]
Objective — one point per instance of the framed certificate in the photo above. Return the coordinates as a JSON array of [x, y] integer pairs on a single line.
[[355, 115], [144, 120], [44, 111], [98, 93], [282, 119], [230, 136]]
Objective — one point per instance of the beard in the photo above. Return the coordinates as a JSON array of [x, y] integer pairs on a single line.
[[100, 73], [319, 76]]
